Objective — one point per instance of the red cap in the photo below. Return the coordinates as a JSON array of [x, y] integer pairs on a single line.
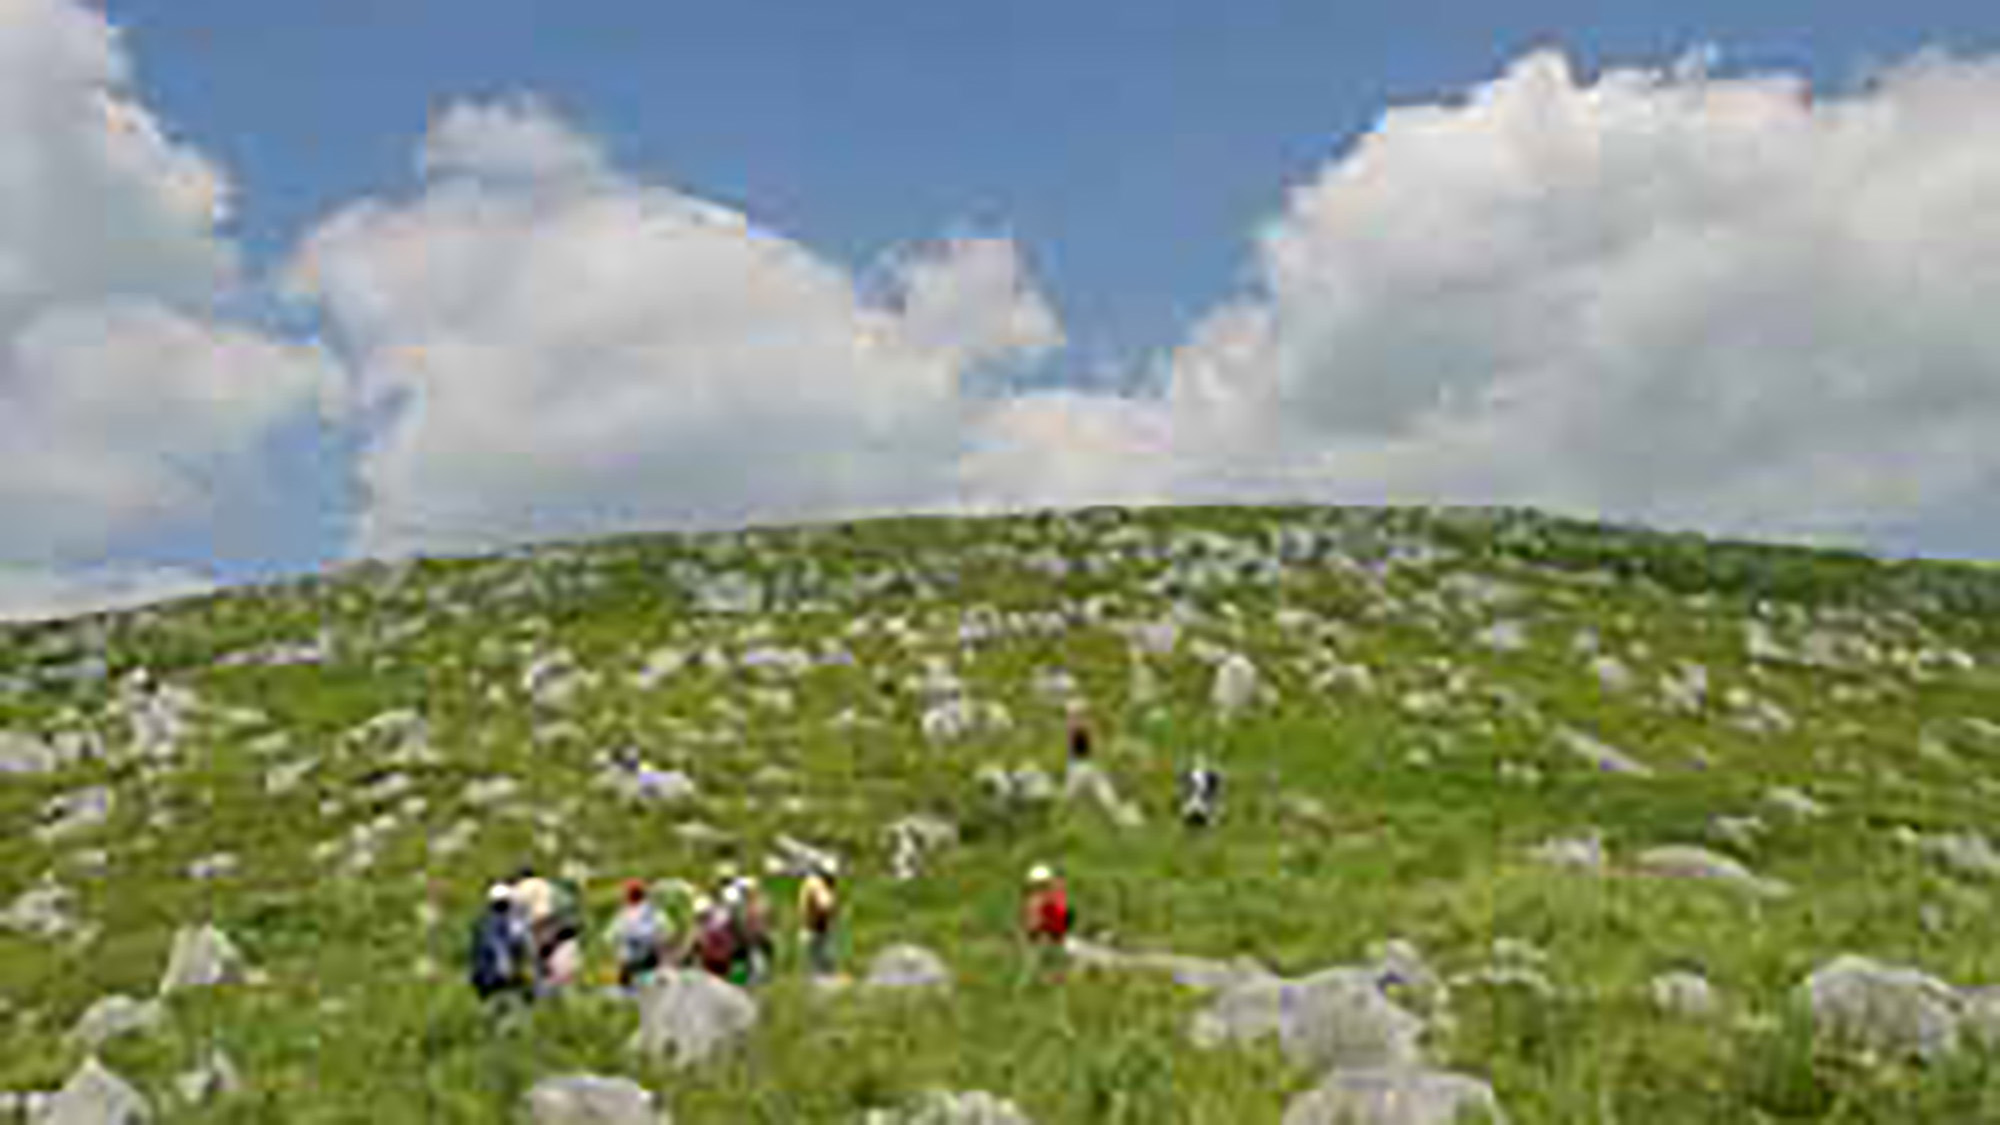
[[635, 889]]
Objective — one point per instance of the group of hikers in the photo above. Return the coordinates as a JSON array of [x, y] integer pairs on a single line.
[[528, 942]]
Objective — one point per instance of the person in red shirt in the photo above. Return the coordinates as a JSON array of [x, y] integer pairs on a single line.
[[1047, 917]]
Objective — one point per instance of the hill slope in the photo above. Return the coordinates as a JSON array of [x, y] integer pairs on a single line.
[[1463, 731]]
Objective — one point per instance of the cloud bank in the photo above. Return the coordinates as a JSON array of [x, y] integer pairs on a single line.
[[127, 409], [563, 349], [1659, 294]]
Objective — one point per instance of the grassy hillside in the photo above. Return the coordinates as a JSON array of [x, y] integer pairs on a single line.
[[1428, 680]]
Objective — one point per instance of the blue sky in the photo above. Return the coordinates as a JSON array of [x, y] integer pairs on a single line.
[[1129, 145], [1016, 254]]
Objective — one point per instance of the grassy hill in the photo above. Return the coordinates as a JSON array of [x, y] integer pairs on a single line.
[[321, 776]]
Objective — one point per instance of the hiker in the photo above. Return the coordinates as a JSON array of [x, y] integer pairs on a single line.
[[714, 945], [1047, 916], [1079, 736], [750, 915], [535, 908], [639, 937], [818, 906], [562, 965], [500, 955], [1201, 795]]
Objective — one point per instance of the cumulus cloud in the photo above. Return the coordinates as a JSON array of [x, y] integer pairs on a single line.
[[1663, 294], [559, 349], [127, 409]]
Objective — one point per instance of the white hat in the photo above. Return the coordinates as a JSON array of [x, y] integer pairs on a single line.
[[1040, 873], [499, 892]]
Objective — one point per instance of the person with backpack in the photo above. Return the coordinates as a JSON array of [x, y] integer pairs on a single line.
[[1047, 917], [750, 914], [500, 954], [714, 947], [1201, 795], [639, 937], [818, 906]]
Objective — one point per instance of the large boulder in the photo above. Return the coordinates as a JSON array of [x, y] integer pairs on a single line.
[[940, 1107], [1335, 1018], [1396, 1096], [95, 1096], [1236, 686], [25, 754], [589, 1099], [908, 966], [685, 1017], [202, 957], [1887, 1009], [112, 1016], [71, 813]]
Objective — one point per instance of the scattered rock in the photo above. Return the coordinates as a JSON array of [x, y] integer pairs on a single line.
[[940, 1107], [71, 813], [1395, 1096], [589, 1099], [202, 957], [95, 1096], [42, 911], [1237, 685], [1585, 852], [24, 754], [1684, 994], [686, 1017], [1892, 1010], [1967, 853], [1796, 802], [1605, 758], [1685, 861], [212, 1079], [914, 838], [1086, 781], [112, 1016], [1337, 1017], [907, 966]]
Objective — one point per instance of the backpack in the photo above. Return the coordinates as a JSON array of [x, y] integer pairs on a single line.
[[493, 965], [1053, 916], [717, 943]]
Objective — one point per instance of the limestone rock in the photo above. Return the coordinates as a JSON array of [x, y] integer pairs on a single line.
[[941, 1107], [907, 966], [1889, 1009], [1684, 994], [202, 957], [686, 1017], [1334, 1018], [1396, 1096], [95, 1096], [1684, 861], [590, 1099], [112, 1016]]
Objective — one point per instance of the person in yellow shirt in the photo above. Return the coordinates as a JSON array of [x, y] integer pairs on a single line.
[[818, 909]]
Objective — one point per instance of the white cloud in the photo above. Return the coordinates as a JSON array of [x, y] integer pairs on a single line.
[[35, 595], [566, 350], [126, 408], [1659, 294]]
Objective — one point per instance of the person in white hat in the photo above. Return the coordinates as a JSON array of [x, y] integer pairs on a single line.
[[1047, 916]]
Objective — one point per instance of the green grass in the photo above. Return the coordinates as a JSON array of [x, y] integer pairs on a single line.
[[347, 1029]]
